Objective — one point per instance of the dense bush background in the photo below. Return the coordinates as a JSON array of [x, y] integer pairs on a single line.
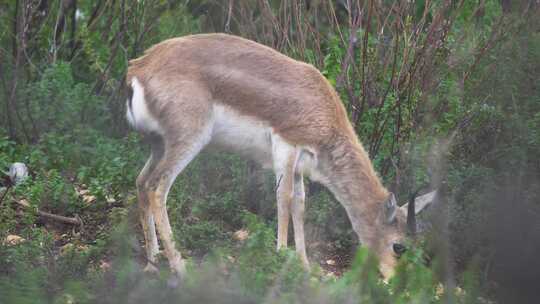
[[442, 92]]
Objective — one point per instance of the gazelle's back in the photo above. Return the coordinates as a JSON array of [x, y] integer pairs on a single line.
[[252, 79]]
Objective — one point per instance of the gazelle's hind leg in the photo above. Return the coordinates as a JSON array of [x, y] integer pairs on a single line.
[[182, 139], [145, 214], [297, 208], [177, 155]]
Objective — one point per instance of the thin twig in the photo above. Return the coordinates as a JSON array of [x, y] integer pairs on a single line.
[[4, 195], [229, 14]]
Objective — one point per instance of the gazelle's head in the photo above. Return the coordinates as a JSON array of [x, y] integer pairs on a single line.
[[397, 224]]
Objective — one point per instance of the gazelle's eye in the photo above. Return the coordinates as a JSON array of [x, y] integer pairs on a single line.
[[399, 249]]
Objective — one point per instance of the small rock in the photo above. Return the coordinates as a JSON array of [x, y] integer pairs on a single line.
[[13, 239], [18, 172], [241, 235]]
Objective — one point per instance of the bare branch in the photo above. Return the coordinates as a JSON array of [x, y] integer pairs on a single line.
[[64, 219]]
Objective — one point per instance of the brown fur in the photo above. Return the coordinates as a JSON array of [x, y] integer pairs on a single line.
[[183, 76], [292, 96]]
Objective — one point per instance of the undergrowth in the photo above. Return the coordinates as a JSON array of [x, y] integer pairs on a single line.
[[102, 261]]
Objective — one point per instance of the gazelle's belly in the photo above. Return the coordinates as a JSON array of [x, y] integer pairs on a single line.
[[256, 140], [242, 134]]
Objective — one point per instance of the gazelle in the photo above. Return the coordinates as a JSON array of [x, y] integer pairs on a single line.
[[225, 91]]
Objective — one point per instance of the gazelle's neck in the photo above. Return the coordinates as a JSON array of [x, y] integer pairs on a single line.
[[353, 181]]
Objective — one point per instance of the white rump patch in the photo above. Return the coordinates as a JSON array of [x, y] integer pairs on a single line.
[[138, 115]]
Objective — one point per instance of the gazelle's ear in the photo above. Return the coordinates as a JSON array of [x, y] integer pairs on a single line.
[[390, 209], [420, 203]]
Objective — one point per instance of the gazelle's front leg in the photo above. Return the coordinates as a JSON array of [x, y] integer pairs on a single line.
[[290, 197], [297, 208], [284, 196], [284, 159]]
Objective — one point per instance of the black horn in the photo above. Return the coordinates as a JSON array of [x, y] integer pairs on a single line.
[[411, 213]]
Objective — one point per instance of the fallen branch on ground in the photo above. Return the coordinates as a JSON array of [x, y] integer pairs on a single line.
[[64, 219]]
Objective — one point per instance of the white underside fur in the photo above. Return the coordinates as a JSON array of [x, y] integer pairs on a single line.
[[257, 140]]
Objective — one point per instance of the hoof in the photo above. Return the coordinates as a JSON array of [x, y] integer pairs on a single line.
[[150, 269], [179, 268], [178, 274]]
